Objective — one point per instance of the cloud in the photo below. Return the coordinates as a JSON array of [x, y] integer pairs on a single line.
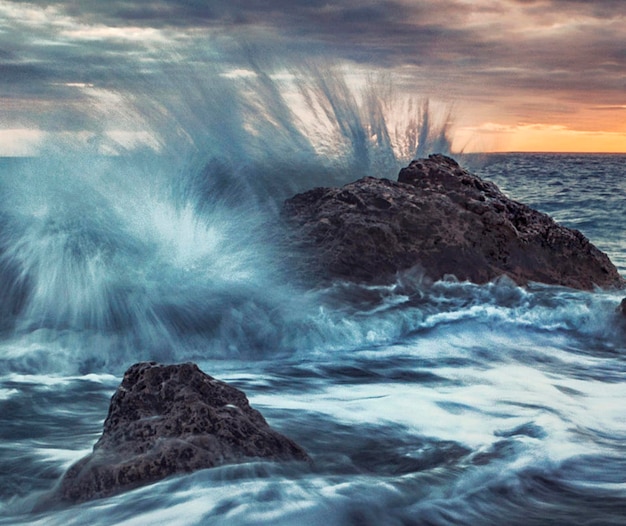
[[523, 57], [621, 107], [140, 35], [453, 37]]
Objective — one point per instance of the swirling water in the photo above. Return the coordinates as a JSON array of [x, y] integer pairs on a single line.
[[420, 403]]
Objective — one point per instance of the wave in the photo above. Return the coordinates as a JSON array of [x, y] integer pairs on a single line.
[[190, 314], [177, 253], [174, 243]]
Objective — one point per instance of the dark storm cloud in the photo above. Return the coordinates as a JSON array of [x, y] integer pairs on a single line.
[[599, 8], [276, 13], [553, 45], [149, 13], [385, 33], [467, 50]]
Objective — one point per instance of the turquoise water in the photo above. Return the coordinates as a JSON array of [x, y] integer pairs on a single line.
[[445, 403]]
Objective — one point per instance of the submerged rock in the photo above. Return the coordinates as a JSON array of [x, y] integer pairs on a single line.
[[167, 419], [444, 220]]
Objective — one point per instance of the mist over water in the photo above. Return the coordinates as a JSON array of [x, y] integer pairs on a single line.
[[171, 254], [162, 251], [419, 402]]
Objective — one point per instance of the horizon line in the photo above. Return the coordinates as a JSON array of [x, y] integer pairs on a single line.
[[503, 152]]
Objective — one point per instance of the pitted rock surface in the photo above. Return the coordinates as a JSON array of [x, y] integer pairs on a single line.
[[167, 419], [444, 220]]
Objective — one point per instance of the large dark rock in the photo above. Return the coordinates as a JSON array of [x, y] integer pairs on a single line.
[[444, 220], [167, 419]]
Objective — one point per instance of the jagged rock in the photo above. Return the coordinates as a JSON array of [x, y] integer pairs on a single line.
[[443, 219], [167, 419]]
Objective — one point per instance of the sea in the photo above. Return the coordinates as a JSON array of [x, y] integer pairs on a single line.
[[419, 402]]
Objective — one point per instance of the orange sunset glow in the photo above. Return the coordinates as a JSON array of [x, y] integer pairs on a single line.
[[491, 137]]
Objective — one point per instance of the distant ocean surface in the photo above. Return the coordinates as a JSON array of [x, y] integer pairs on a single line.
[[420, 404]]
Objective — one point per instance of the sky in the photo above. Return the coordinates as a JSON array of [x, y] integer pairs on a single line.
[[519, 75]]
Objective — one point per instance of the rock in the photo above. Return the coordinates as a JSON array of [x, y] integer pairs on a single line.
[[168, 419], [443, 219]]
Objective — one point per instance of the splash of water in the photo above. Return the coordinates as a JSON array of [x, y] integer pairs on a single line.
[[168, 247]]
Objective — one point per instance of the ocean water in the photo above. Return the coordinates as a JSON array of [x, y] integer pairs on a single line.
[[421, 403]]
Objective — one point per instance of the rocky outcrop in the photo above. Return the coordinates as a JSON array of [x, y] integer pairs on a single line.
[[167, 419], [444, 220]]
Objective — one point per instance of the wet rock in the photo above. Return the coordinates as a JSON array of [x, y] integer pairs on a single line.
[[444, 220], [168, 419]]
